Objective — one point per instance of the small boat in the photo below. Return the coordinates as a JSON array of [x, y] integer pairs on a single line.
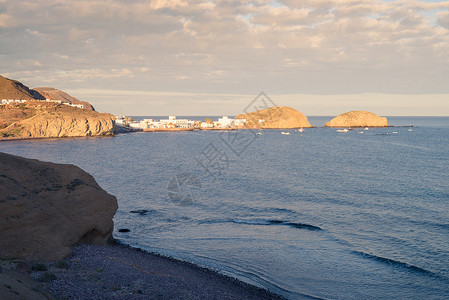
[[259, 133], [366, 128], [342, 130], [301, 129], [285, 133]]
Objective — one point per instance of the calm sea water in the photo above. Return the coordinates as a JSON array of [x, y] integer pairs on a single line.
[[318, 214]]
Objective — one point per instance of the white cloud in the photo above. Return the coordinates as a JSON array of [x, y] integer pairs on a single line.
[[314, 46]]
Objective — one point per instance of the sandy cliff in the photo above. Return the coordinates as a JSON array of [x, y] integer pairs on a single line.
[[57, 121], [358, 119], [47, 208], [276, 117]]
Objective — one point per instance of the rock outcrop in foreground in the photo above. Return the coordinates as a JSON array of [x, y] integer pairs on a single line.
[[47, 208], [358, 119], [277, 117], [54, 122]]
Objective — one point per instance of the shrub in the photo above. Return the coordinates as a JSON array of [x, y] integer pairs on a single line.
[[47, 277], [62, 264], [39, 267]]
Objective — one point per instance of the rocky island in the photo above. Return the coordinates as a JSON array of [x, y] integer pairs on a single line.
[[47, 113], [358, 119], [277, 117]]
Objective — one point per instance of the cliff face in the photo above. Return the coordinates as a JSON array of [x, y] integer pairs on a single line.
[[47, 208], [277, 117], [55, 94], [13, 89], [61, 121], [358, 119]]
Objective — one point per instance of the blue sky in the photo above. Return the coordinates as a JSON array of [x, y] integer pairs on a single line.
[[322, 57]]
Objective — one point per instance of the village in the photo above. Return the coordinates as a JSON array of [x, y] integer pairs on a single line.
[[174, 124], [25, 101]]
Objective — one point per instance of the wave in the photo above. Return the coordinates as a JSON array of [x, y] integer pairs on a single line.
[[277, 222], [396, 263], [265, 222]]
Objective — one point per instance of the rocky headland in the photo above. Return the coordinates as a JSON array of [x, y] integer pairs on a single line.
[[47, 113], [277, 117], [47, 208], [53, 122], [358, 119]]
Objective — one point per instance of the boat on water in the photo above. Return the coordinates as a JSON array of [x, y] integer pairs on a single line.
[[301, 129], [259, 133], [285, 133], [366, 128], [343, 130]]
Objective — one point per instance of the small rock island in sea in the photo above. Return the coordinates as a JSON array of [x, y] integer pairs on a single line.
[[358, 119], [277, 117]]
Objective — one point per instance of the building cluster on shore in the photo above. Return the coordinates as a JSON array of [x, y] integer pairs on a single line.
[[181, 124], [23, 101]]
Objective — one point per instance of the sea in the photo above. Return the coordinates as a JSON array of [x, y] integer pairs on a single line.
[[318, 214]]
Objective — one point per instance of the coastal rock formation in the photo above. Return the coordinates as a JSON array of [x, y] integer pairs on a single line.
[[47, 208], [358, 119], [59, 121], [13, 89], [277, 117], [55, 94]]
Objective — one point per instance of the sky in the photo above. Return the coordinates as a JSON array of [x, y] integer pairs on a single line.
[[161, 57]]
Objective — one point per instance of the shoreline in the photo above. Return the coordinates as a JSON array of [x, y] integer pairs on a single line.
[[2, 139], [118, 270]]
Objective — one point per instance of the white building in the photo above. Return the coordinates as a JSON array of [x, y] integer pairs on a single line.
[[135, 125], [173, 122], [207, 125], [225, 122], [74, 105], [13, 101], [121, 120], [239, 122]]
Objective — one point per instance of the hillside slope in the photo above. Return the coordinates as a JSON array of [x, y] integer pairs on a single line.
[[55, 94], [277, 117], [13, 89]]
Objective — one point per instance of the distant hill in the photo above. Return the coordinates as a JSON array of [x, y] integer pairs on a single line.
[[359, 118], [13, 89], [55, 94], [276, 117]]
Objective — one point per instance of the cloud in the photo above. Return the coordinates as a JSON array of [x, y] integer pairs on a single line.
[[284, 46]]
